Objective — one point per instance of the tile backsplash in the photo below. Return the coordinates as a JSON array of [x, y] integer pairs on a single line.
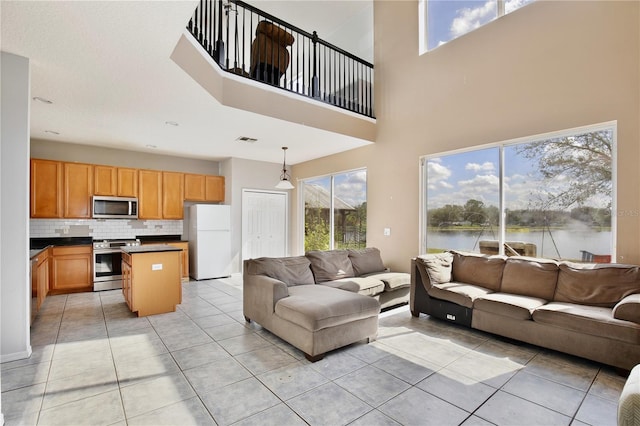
[[103, 228]]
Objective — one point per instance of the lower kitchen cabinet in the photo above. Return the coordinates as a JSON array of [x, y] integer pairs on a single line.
[[151, 280], [184, 259], [42, 278], [71, 269], [39, 280]]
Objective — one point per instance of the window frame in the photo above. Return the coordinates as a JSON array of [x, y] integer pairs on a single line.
[[423, 176], [423, 19], [301, 201]]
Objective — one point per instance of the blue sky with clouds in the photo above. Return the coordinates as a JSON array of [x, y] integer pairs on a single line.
[[448, 19]]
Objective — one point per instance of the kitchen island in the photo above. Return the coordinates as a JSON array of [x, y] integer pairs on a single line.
[[151, 278]]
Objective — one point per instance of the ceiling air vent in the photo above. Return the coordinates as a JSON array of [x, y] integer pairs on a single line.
[[246, 139]]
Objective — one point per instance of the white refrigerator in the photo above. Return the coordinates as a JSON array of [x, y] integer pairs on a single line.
[[209, 241]]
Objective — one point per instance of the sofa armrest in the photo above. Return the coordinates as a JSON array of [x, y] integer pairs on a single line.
[[628, 309], [629, 402], [260, 295]]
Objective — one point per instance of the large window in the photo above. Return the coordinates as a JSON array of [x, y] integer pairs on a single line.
[[547, 196], [444, 20], [335, 211]]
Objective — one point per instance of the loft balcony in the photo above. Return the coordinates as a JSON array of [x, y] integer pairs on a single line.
[[249, 42], [251, 60]]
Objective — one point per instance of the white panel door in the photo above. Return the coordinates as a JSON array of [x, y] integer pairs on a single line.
[[264, 224]]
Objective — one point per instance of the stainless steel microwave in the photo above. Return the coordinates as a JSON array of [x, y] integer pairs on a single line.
[[115, 208]]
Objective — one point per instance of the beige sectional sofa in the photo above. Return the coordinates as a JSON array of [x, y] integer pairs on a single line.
[[588, 310], [323, 300]]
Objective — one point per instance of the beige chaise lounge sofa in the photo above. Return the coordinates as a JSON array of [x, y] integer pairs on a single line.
[[588, 310], [316, 302]]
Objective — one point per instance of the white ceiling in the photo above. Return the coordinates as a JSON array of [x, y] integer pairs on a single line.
[[106, 67]]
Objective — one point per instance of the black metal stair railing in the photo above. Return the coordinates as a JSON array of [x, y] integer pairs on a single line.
[[282, 55]]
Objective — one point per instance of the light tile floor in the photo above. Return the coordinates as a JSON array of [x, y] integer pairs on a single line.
[[94, 362]]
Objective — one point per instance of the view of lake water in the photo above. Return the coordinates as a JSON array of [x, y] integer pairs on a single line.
[[569, 243]]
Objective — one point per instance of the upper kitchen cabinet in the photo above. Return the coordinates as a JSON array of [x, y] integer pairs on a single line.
[[203, 188], [105, 180], [115, 181], [194, 187], [46, 188], [78, 189], [149, 194], [214, 188], [127, 182], [172, 195]]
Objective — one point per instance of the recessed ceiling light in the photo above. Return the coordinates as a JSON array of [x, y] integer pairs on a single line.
[[246, 139], [151, 146], [53, 132], [43, 100], [171, 123]]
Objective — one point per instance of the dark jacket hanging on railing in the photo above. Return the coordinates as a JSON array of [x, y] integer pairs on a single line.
[[282, 55]]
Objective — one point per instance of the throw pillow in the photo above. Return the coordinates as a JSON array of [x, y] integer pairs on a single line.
[[366, 261], [438, 267], [330, 265]]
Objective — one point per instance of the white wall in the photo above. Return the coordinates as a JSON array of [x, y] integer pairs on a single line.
[[245, 174], [15, 288]]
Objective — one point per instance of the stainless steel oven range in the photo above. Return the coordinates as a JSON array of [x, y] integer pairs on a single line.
[[107, 263]]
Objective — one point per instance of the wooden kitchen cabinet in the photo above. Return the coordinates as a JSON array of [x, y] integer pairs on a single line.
[[78, 189], [194, 187], [46, 189], [126, 279], [151, 280], [203, 188], [105, 180], [115, 181], [71, 269], [184, 260], [172, 195], [42, 278], [39, 280], [214, 188], [149, 194], [127, 182]]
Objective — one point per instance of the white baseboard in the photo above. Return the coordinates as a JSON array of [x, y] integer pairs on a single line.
[[16, 356]]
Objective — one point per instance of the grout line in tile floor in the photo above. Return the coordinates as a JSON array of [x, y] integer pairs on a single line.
[[419, 371]]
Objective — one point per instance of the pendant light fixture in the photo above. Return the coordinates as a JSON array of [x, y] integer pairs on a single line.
[[285, 178]]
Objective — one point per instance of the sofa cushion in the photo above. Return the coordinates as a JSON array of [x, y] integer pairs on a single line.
[[477, 269], [596, 284], [330, 265], [368, 286], [290, 270], [509, 305], [628, 309], [593, 320], [438, 266], [366, 261], [530, 277], [459, 293], [315, 307], [392, 280]]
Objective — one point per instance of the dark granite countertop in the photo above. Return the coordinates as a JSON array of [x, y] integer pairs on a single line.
[[41, 243], [152, 248], [145, 239]]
